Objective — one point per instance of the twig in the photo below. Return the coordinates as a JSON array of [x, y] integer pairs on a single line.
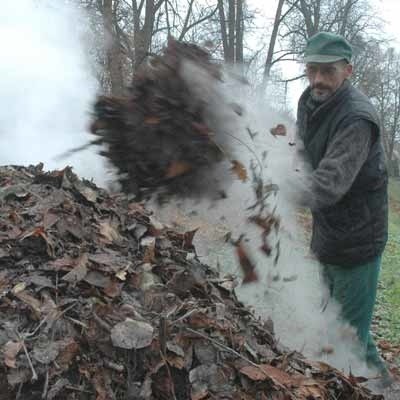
[[222, 346], [75, 321], [69, 153], [34, 374], [57, 287], [46, 385], [18, 395], [169, 375], [77, 389], [28, 335], [163, 333], [248, 148], [114, 366], [189, 313]]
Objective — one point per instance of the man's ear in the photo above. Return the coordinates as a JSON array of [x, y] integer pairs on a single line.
[[348, 70]]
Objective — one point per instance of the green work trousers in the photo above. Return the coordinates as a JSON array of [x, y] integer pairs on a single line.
[[354, 288]]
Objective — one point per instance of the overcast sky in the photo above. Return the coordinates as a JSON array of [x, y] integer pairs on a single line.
[[388, 10]]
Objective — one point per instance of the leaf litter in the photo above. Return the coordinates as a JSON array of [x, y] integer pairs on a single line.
[[91, 313]]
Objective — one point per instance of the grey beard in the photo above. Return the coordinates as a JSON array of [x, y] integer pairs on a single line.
[[319, 99]]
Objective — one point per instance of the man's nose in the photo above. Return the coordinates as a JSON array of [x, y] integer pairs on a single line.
[[318, 77]]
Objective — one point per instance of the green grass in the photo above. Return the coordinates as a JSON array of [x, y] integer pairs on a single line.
[[388, 302]]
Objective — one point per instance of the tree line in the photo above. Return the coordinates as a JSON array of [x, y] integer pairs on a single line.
[[127, 31]]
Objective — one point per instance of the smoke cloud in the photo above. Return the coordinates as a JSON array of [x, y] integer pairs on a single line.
[[46, 86]]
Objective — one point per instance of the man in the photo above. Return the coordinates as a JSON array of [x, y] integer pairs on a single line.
[[339, 134]]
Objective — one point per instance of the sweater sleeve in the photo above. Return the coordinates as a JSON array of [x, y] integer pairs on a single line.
[[339, 167]]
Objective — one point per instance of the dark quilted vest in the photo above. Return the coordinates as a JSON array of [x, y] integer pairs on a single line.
[[354, 230]]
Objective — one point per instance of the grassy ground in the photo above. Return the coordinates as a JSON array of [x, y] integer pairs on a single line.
[[388, 304]]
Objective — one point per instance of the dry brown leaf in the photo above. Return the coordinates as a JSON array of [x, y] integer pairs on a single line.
[[49, 219], [4, 280], [10, 352], [109, 232], [240, 395], [201, 320], [266, 371], [99, 384], [32, 302], [200, 394], [68, 352], [177, 168], [79, 272], [98, 279], [39, 232], [136, 208], [188, 239], [15, 218], [149, 243], [113, 289], [149, 255], [311, 391], [239, 170], [152, 121], [64, 263], [88, 193], [176, 361], [278, 130], [247, 265]]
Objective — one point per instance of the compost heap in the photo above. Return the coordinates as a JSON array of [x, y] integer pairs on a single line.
[[99, 300], [164, 137]]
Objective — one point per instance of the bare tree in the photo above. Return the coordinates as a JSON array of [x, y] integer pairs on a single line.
[[186, 21], [274, 56], [350, 18], [385, 93], [231, 26], [377, 74]]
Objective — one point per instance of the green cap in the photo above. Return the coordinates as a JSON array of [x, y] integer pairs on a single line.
[[325, 47]]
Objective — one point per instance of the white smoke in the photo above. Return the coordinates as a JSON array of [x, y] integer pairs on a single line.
[[46, 86]]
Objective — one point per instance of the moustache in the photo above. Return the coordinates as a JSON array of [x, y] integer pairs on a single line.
[[320, 87]]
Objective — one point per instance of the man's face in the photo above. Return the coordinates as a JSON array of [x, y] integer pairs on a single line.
[[326, 78]]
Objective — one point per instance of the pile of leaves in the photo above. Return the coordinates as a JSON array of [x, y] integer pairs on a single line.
[[159, 136], [99, 300]]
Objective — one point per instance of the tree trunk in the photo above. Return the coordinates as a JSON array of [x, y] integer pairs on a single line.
[[222, 22], [272, 42], [239, 32], [231, 31], [345, 19], [114, 56], [143, 35]]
